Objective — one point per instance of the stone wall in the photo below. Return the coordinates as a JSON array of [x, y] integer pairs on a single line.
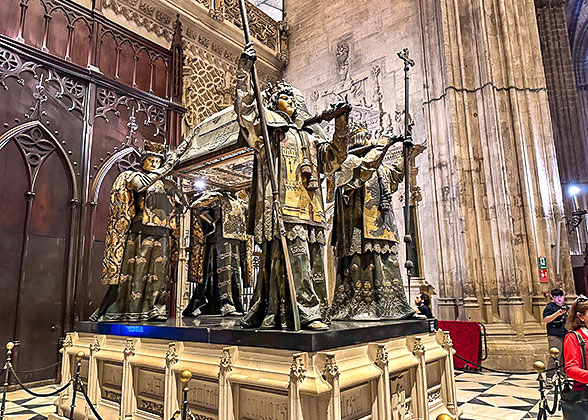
[[349, 49], [489, 179]]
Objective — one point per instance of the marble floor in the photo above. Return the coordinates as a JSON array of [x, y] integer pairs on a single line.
[[487, 396], [493, 396]]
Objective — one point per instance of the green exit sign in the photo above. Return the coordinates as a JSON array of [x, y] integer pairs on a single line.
[[542, 263]]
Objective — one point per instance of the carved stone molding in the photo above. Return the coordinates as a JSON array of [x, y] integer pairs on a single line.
[[418, 348], [68, 342], [171, 356], [331, 369], [129, 350], [95, 345], [381, 356], [297, 369], [224, 365], [447, 343], [144, 15]]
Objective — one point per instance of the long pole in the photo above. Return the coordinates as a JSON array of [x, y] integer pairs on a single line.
[[406, 147], [271, 170]]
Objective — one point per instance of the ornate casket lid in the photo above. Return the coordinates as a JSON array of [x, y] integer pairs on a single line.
[[219, 154]]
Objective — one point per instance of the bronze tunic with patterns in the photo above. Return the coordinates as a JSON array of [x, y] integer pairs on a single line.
[[140, 248], [303, 209], [221, 254], [368, 280]]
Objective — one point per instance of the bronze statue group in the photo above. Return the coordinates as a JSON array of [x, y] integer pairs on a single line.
[[286, 219]]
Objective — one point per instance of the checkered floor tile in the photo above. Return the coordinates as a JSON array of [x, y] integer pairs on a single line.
[[493, 396], [22, 406]]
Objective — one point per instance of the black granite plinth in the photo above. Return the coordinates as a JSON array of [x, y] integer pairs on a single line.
[[226, 330]]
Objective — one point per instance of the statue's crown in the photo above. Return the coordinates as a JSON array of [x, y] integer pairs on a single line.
[[357, 127], [278, 87], [154, 149]]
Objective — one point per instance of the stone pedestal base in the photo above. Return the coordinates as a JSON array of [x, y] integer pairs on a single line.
[[409, 377]]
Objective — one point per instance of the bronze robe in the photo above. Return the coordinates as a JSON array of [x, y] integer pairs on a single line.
[[303, 209], [221, 255], [368, 281], [140, 248]]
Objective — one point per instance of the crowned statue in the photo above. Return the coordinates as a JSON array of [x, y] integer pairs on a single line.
[[302, 153], [368, 278], [221, 253], [141, 239]]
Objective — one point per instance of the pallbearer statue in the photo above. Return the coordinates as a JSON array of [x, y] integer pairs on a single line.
[[141, 238], [302, 152], [221, 253], [368, 278]]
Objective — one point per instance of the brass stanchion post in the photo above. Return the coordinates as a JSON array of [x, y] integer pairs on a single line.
[[7, 365], [539, 367], [554, 352], [185, 378], [79, 356]]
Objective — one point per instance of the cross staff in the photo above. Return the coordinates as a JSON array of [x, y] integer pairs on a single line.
[[406, 148]]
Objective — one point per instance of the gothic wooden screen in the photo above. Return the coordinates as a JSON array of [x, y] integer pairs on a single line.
[[80, 95]]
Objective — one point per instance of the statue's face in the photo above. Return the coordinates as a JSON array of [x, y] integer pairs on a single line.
[[286, 104], [151, 163]]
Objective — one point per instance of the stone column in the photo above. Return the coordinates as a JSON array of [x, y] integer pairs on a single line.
[[171, 403], [225, 396], [569, 131], [331, 375], [297, 375], [128, 404], [420, 399], [380, 358], [493, 161], [68, 343], [448, 387], [93, 385]]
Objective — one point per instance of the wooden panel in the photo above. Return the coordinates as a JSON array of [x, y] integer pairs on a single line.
[[34, 28], [81, 43], [126, 64], [12, 209], [143, 70], [58, 33], [10, 18], [160, 78], [41, 292], [107, 61]]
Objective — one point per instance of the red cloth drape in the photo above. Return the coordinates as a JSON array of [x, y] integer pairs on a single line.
[[466, 337]]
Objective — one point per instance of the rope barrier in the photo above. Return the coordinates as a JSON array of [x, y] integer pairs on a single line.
[[81, 388], [40, 369], [37, 394], [502, 371]]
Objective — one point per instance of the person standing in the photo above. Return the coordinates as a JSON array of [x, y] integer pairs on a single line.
[[555, 316], [575, 401]]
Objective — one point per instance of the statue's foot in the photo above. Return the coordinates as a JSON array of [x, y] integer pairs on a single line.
[[228, 309], [192, 314], [316, 326]]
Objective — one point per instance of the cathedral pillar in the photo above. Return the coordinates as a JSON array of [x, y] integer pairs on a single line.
[[569, 133], [493, 164]]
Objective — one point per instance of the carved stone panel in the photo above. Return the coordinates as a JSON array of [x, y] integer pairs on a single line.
[[356, 402], [202, 397], [150, 388], [262, 405], [111, 380]]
